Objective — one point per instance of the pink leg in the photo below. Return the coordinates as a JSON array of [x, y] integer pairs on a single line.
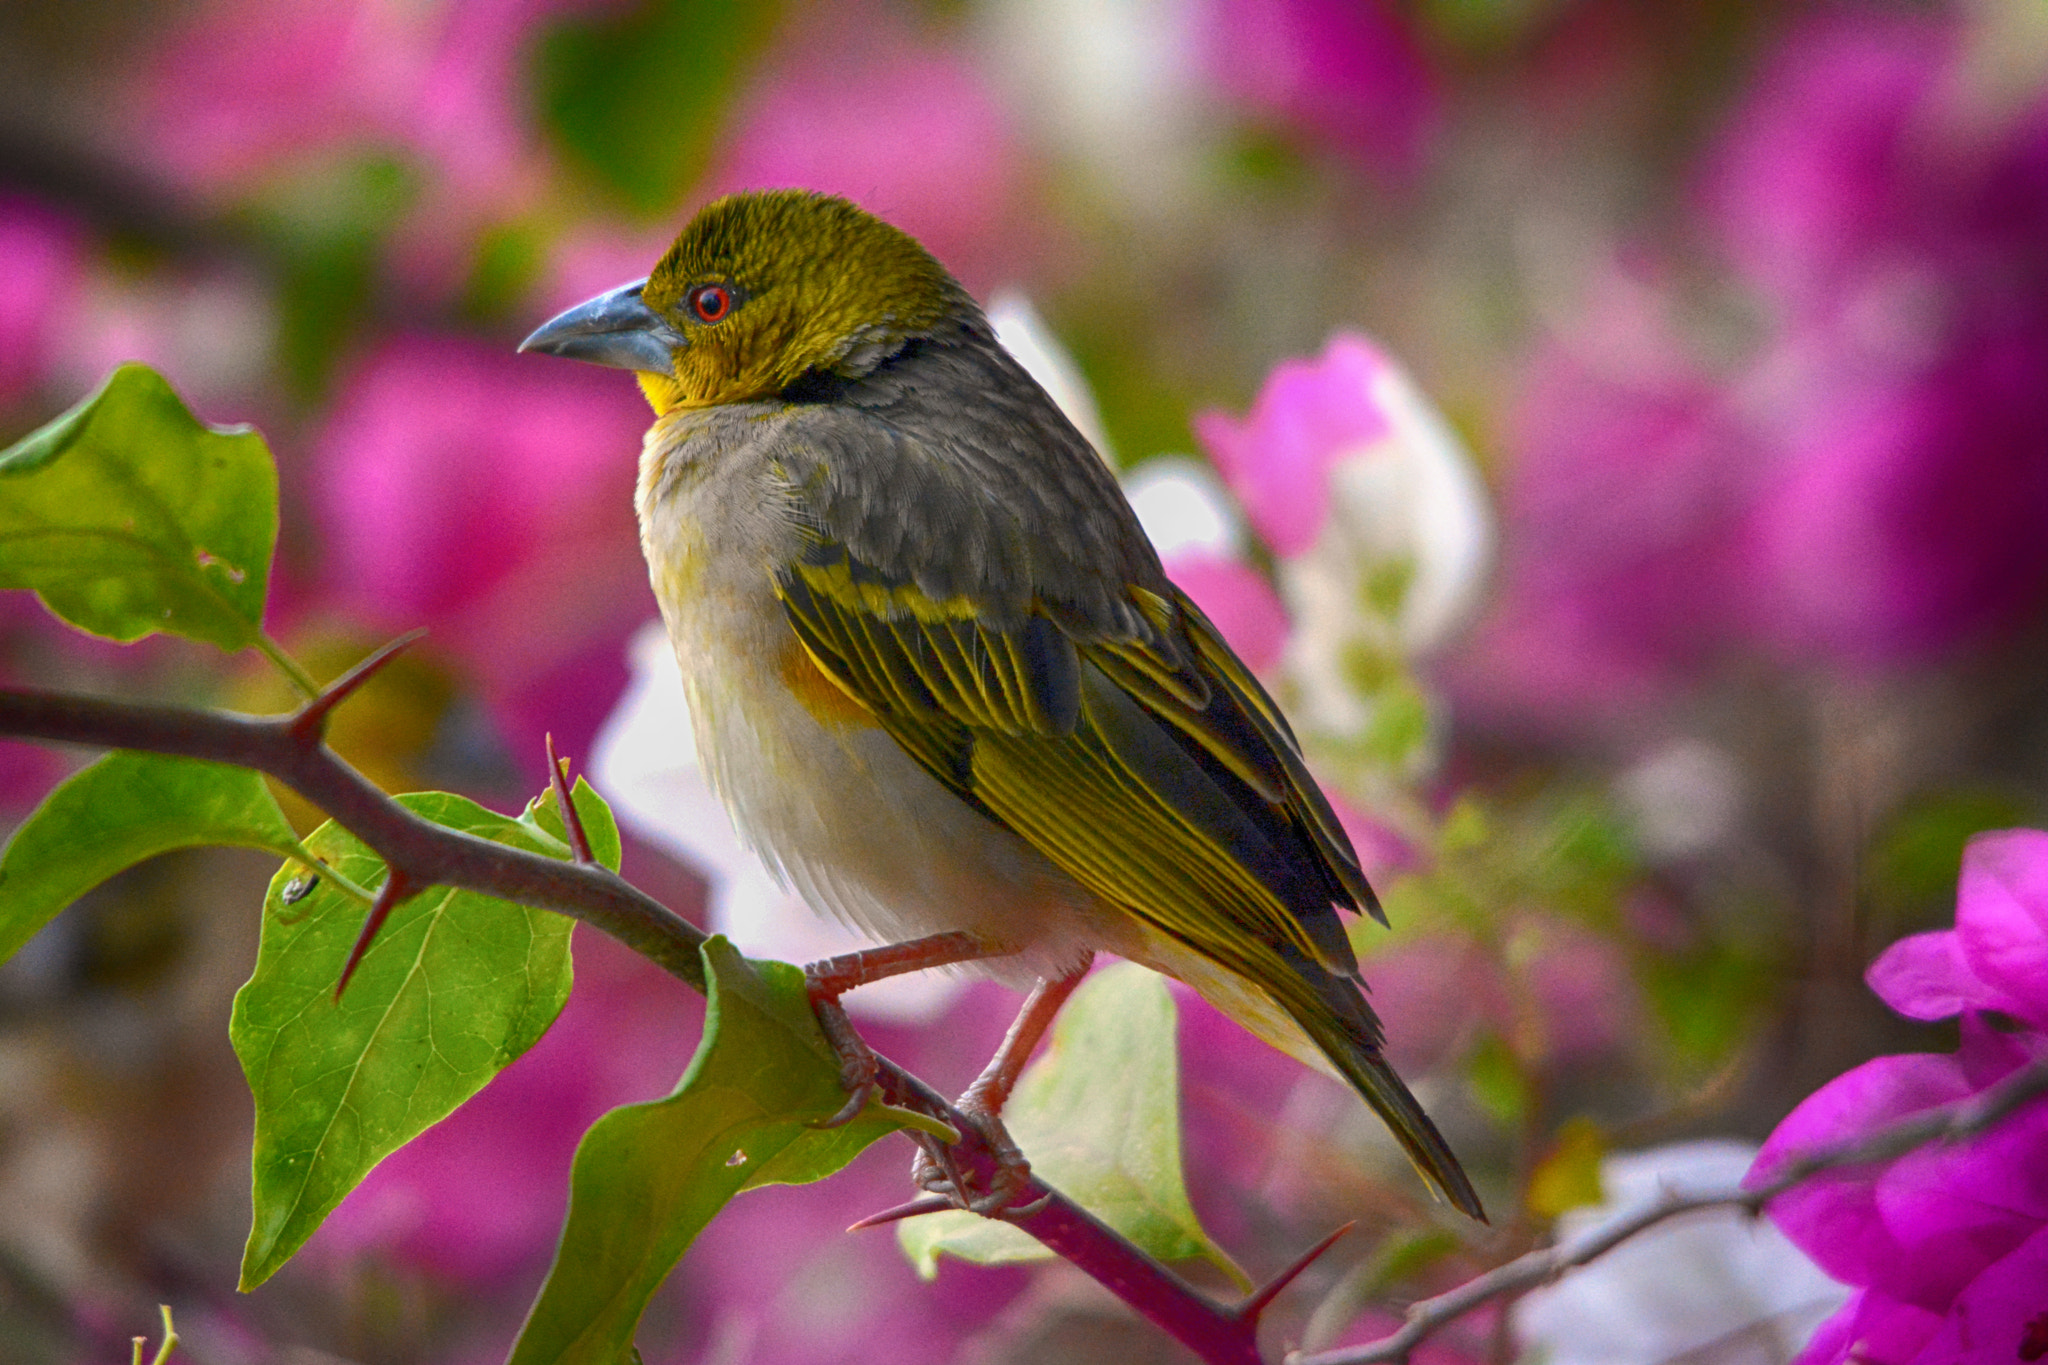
[[982, 1103], [833, 977], [991, 1089]]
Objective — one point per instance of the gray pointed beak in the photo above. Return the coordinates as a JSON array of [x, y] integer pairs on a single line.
[[614, 329]]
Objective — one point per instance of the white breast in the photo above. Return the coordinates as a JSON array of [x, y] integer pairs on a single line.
[[838, 811]]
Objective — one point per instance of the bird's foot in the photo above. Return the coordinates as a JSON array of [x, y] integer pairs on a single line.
[[937, 1172], [857, 1065]]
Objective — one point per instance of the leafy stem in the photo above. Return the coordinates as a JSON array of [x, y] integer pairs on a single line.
[[291, 749], [286, 664]]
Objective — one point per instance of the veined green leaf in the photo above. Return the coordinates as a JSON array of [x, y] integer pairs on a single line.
[[122, 809], [1098, 1116], [455, 988], [649, 1177], [128, 516]]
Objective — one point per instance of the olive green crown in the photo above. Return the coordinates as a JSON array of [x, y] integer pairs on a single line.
[[819, 284]]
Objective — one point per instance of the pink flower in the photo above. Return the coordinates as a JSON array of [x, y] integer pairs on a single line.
[[1996, 958], [246, 88], [1861, 487], [1381, 527], [488, 497], [1816, 170], [1918, 1234], [1347, 72], [905, 128], [1626, 486], [1948, 1245], [45, 255], [1308, 416]]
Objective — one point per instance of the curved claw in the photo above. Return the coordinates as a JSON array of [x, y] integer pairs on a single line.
[[936, 1171], [1015, 1212], [856, 1100]]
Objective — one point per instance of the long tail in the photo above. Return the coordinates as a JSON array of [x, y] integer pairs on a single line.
[[1331, 1027], [1346, 1035]]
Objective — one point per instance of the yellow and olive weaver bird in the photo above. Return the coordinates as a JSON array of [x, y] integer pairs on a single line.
[[935, 669]]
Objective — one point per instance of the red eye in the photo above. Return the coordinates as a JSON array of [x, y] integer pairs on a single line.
[[710, 302]]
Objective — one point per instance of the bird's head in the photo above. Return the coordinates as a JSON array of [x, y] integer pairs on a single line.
[[762, 293]]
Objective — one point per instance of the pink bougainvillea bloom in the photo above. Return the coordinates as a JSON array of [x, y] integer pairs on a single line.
[[1861, 487], [1626, 485], [1309, 415], [907, 129], [1906, 512], [247, 88], [1382, 531], [1996, 958], [1342, 460], [45, 255], [243, 84], [1348, 73], [488, 498], [1891, 227], [1813, 174], [1948, 1243], [1915, 1235]]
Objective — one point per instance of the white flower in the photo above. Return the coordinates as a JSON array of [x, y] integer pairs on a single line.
[[1715, 1286], [1185, 508], [1382, 533]]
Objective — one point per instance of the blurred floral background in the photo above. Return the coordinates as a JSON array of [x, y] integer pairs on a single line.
[[1618, 432]]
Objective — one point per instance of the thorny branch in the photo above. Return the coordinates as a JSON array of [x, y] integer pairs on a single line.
[[419, 853], [291, 749], [1950, 1123]]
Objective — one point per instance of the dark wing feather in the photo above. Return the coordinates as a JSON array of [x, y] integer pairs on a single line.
[[1006, 622]]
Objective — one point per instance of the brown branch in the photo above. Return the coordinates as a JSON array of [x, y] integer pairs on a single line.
[[1950, 1123], [428, 854], [420, 853]]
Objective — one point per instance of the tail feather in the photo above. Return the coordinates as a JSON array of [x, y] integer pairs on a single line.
[[1360, 1063], [1332, 1028]]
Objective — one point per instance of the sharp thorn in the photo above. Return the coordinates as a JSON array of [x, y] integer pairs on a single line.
[[1250, 1309], [930, 1203], [395, 889], [311, 719], [572, 819], [1017, 1213]]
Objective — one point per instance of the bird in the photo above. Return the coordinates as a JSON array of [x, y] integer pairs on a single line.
[[935, 669]]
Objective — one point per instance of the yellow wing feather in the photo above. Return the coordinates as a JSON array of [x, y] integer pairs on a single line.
[[1152, 768]]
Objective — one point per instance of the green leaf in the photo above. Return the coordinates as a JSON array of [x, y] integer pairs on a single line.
[[454, 989], [1099, 1117], [648, 1177], [128, 516], [124, 808], [638, 99], [599, 825]]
